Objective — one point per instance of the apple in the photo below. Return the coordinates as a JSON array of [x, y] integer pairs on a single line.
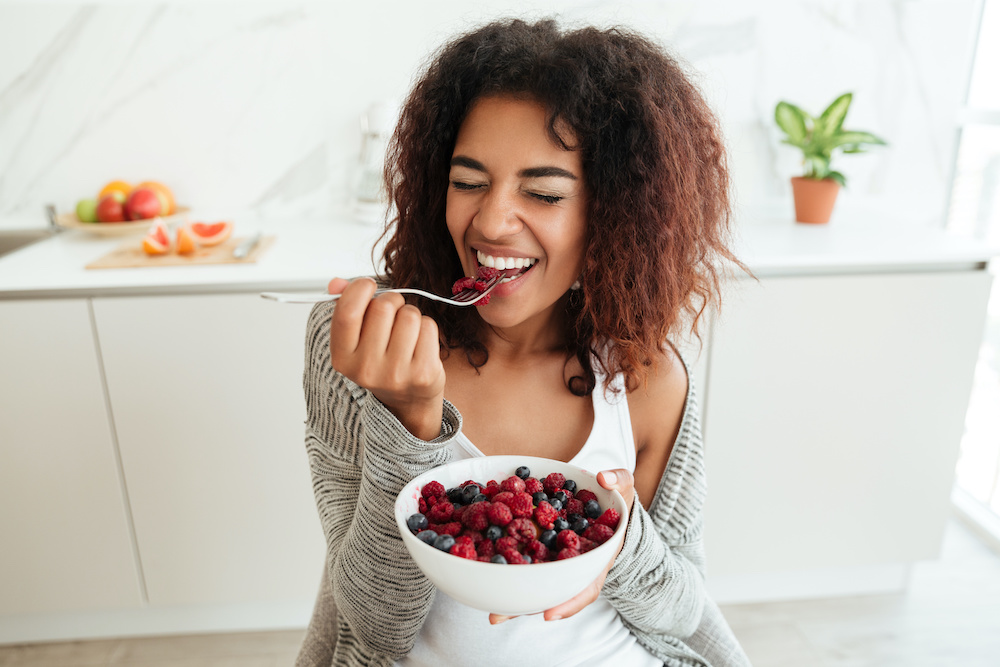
[[145, 203], [111, 208], [86, 210]]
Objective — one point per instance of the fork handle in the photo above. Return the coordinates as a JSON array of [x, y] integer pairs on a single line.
[[317, 297]]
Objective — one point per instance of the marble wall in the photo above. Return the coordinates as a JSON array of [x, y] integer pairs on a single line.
[[252, 108]]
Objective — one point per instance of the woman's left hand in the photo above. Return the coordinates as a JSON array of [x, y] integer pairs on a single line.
[[610, 479]]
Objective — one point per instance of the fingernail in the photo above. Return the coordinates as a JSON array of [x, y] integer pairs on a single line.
[[610, 478], [501, 619], [554, 618]]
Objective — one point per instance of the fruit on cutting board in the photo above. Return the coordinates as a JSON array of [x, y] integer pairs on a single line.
[[145, 203], [157, 242], [86, 210], [209, 234], [111, 207], [185, 241]]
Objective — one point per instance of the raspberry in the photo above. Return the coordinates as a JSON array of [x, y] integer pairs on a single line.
[[533, 486], [524, 531], [520, 505], [538, 551], [587, 545], [514, 484], [480, 285], [610, 518], [432, 490], [487, 272], [462, 283], [545, 515], [475, 517], [567, 553], [574, 506], [554, 482], [503, 497], [513, 557], [422, 506], [456, 514], [486, 548], [484, 300], [432, 500], [599, 533], [498, 513], [583, 495], [567, 539], [491, 489], [505, 543], [452, 528], [483, 559], [474, 535], [463, 548], [441, 512]]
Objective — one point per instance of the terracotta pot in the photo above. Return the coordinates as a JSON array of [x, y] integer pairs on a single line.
[[814, 199]]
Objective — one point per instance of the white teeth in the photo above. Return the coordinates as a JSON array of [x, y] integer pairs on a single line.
[[519, 263], [502, 263]]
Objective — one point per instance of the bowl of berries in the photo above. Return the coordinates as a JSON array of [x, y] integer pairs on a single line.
[[470, 523]]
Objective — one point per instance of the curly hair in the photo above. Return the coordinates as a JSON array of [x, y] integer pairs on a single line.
[[655, 168]]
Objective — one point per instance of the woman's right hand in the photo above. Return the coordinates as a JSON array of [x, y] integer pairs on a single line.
[[391, 349]]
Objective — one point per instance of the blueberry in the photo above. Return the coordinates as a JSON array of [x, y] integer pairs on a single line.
[[592, 509], [527, 558], [494, 533], [560, 496], [523, 472], [497, 558], [416, 522], [539, 496], [570, 486], [548, 538], [579, 525], [556, 504], [427, 536], [480, 498], [455, 496], [444, 542], [560, 524], [469, 492]]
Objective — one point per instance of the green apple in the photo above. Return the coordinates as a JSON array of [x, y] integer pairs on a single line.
[[86, 210]]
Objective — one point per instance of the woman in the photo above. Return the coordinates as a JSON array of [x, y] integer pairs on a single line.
[[590, 162]]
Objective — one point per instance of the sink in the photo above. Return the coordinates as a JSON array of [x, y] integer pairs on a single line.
[[15, 239]]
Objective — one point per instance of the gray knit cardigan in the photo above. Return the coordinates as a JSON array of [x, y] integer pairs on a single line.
[[361, 457]]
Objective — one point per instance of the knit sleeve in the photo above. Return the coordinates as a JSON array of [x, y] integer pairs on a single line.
[[657, 582], [360, 457]]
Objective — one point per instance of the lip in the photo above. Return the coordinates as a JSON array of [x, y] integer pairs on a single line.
[[506, 289]]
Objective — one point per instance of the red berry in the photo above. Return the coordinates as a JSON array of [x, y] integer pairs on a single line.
[[498, 514], [598, 532], [568, 539], [533, 486], [514, 484], [452, 528], [574, 506], [491, 489], [505, 543], [520, 505], [545, 515], [422, 506], [463, 548], [474, 535], [610, 518], [475, 517], [587, 545], [441, 512], [523, 530], [456, 514], [484, 300], [487, 272], [432, 490], [513, 557], [503, 497], [486, 548], [539, 552], [583, 495], [462, 283], [567, 553], [554, 482]]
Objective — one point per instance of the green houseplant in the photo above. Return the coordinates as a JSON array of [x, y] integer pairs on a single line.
[[819, 137]]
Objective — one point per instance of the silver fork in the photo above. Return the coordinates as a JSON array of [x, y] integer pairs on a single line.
[[466, 297]]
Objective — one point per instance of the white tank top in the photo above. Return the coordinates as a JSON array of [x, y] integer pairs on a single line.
[[455, 633]]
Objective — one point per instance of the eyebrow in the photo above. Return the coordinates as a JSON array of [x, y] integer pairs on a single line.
[[531, 172]]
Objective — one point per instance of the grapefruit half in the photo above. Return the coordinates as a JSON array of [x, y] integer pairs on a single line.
[[157, 242], [206, 234]]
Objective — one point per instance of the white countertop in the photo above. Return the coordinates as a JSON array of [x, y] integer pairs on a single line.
[[306, 254]]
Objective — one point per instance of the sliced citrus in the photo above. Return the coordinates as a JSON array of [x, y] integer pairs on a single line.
[[157, 242], [185, 241], [115, 186], [211, 234], [164, 191]]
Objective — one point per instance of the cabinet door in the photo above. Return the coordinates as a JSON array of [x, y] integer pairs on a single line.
[[835, 410], [63, 521], [207, 400]]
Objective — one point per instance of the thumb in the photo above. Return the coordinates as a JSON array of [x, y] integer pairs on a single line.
[[336, 286], [619, 478]]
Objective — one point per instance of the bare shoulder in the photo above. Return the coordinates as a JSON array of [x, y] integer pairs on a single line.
[[656, 412]]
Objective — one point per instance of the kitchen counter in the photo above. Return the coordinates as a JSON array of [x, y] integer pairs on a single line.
[[307, 253]]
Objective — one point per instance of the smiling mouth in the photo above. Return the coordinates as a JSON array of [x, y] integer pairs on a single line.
[[521, 264]]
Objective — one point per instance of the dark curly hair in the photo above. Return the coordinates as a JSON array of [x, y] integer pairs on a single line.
[[655, 169]]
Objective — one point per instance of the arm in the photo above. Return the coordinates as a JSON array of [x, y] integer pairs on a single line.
[[360, 457]]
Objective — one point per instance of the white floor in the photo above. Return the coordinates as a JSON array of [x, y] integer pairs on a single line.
[[949, 617]]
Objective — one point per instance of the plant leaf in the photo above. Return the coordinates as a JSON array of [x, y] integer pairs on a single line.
[[817, 166], [832, 118], [854, 137], [839, 177], [792, 120]]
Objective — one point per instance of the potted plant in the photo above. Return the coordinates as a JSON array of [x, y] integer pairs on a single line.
[[818, 137]]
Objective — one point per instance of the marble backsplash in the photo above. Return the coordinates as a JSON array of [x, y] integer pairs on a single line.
[[252, 108]]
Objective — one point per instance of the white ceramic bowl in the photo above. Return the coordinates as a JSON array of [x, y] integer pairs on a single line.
[[508, 589]]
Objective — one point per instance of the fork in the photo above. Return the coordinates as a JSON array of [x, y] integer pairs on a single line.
[[466, 297]]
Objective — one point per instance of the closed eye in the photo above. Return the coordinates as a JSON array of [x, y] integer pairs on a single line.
[[461, 185], [548, 199]]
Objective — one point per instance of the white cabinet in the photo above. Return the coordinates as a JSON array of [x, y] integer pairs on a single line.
[[834, 413], [207, 399], [63, 518]]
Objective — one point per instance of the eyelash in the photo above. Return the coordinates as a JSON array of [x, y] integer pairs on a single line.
[[547, 199]]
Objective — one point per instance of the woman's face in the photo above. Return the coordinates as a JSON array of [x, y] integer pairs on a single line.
[[516, 196]]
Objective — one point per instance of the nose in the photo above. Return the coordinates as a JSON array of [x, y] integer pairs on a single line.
[[498, 214]]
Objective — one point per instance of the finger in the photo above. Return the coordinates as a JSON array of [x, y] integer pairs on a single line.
[[345, 324], [497, 619], [376, 329], [618, 479], [403, 340], [570, 607], [427, 353], [337, 285]]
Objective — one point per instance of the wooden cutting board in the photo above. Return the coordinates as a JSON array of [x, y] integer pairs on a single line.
[[130, 255]]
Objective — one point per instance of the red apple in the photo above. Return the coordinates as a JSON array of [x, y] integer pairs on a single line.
[[111, 208], [144, 203]]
